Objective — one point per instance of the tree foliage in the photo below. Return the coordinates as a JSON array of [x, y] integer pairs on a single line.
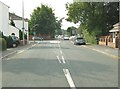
[[58, 30], [70, 30], [97, 17], [43, 21]]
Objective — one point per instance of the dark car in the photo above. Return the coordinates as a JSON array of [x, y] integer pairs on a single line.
[[12, 41], [79, 41]]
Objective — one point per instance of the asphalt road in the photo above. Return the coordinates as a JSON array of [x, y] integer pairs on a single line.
[[59, 64]]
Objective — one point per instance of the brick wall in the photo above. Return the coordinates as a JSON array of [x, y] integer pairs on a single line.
[[108, 41]]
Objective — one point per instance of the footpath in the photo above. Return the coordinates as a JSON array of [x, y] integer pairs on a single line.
[[11, 51], [113, 52]]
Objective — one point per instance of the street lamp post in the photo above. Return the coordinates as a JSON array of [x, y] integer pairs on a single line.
[[23, 20]]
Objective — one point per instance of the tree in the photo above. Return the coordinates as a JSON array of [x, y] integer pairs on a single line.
[[97, 17], [43, 21], [71, 30], [58, 26]]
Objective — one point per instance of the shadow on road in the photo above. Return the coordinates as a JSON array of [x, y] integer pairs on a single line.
[[51, 67]]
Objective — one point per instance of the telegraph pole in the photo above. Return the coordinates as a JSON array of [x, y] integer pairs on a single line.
[[23, 21]]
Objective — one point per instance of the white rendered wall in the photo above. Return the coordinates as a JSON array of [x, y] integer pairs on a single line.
[[19, 24], [13, 30], [4, 19]]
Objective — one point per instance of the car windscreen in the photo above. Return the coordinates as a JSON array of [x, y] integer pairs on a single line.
[[14, 37]]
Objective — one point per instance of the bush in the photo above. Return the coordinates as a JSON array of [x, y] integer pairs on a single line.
[[9, 40], [89, 37], [3, 45]]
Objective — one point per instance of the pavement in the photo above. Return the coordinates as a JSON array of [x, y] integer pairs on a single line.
[[113, 52], [11, 51]]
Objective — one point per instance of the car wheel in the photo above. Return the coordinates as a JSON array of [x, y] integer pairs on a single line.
[[14, 45]]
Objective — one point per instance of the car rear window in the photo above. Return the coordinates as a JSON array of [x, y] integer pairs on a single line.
[[79, 38]]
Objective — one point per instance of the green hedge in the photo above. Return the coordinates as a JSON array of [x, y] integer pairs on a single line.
[[3, 45], [90, 37]]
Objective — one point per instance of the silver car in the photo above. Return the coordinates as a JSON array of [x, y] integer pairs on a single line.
[[79, 41], [66, 38]]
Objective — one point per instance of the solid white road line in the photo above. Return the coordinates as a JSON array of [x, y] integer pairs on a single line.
[[20, 51], [8, 54], [69, 78], [59, 59], [63, 60]]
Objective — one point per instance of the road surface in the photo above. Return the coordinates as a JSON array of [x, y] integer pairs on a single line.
[[59, 64]]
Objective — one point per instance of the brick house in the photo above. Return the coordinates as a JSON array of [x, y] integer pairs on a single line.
[[114, 36], [113, 39]]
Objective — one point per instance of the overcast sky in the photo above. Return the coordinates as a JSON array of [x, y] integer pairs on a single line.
[[29, 5]]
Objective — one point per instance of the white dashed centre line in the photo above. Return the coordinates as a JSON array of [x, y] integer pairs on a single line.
[[66, 71], [63, 60], [59, 59], [61, 51], [69, 78]]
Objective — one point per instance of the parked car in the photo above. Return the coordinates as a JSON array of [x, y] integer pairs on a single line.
[[12, 41], [66, 37], [79, 41], [15, 41]]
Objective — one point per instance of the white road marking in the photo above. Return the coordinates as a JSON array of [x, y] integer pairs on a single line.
[[54, 42], [61, 51], [8, 54], [63, 60], [69, 78], [8, 58], [20, 51], [59, 59]]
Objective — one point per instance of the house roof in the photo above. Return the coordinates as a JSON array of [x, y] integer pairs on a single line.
[[13, 16], [4, 4], [117, 24], [116, 28]]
